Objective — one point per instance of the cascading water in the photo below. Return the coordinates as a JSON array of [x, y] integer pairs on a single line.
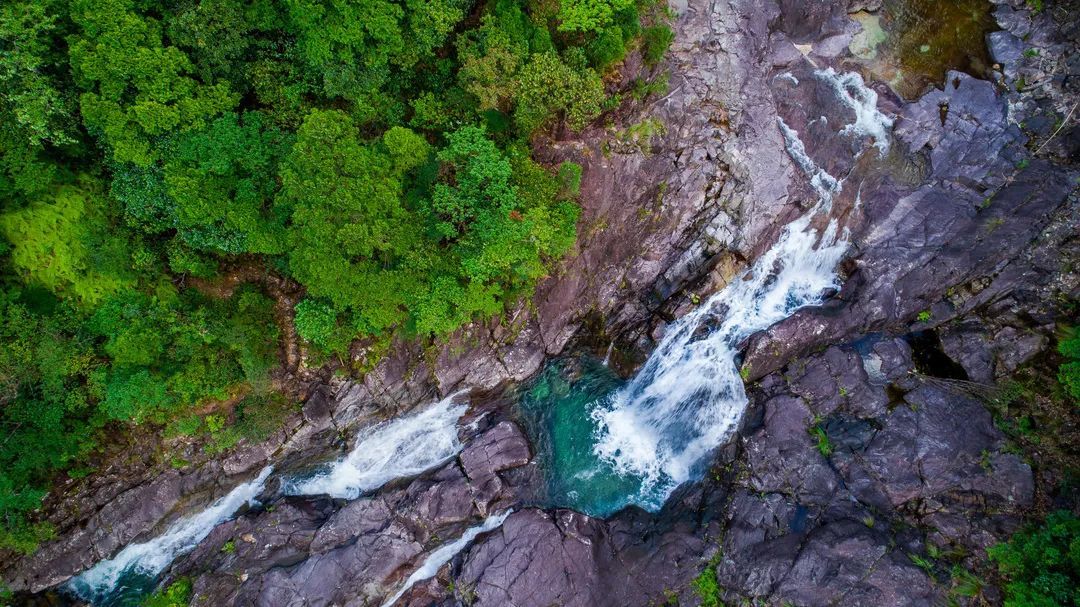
[[123, 579], [853, 93], [653, 433], [398, 448], [442, 556], [689, 395]]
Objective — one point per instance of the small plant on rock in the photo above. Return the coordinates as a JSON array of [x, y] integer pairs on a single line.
[[706, 586], [824, 445], [177, 594]]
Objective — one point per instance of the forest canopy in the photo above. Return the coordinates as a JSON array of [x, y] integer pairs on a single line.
[[374, 153]]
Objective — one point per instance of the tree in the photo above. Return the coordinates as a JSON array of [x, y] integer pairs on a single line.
[[65, 243], [317, 323], [548, 88], [351, 46], [1069, 371], [407, 149], [430, 23], [169, 354], [30, 90], [502, 217], [348, 224], [589, 15], [490, 57], [222, 180], [136, 87], [1042, 564], [217, 35], [48, 380], [37, 107]]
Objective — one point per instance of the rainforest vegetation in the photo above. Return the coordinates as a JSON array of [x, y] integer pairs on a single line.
[[374, 154]]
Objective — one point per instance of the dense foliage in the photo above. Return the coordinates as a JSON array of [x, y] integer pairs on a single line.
[[376, 153], [1042, 564], [1069, 372]]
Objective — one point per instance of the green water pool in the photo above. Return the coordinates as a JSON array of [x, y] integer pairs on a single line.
[[913, 43], [557, 406]]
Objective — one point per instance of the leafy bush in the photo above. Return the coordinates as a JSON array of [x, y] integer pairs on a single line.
[[1069, 372], [1042, 563], [178, 594], [256, 417], [706, 587], [658, 39]]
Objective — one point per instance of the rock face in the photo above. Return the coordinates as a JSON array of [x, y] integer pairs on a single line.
[[850, 473], [865, 446], [317, 551], [913, 465], [565, 558]]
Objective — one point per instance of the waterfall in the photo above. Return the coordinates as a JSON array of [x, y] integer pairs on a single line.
[[397, 448], [688, 397], [442, 556], [607, 355], [150, 558], [852, 92], [825, 185]]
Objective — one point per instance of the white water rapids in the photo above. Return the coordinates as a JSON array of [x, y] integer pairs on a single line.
[[397, 448], [688, 396], [442, 556], [152, 557], [401, 447]]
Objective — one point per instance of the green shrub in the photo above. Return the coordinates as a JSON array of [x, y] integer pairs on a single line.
[[706, 587], [824, 445], [178, 594], [260, 415], [1069, 371], [607, 48], [1041, 564], [658, 39]]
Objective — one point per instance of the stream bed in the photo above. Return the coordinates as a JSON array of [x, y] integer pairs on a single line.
[[912, 44]]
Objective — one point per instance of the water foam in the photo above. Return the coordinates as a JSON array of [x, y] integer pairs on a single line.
[[688, 397], [401, 447], [442, 556], [825, 185], [852, 91], [152, 557]]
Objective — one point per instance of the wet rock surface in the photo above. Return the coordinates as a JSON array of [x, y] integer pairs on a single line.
[[856, 491], [855, 458], [321, 551]]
